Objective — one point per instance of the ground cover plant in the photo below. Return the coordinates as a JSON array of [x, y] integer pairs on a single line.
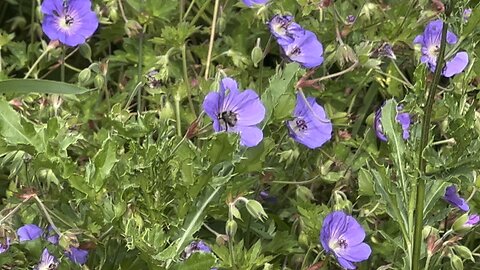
[[239, 134]]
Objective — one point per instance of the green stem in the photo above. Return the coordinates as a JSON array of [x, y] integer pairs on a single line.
[[45, 52], [62, 64], [14, 210], [422, 164], [47, 215], [177, 115], [186, 80], [199, 13], [212, 38], [188, 10], [140, 70]]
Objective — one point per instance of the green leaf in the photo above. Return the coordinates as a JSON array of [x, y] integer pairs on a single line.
[[11, 128], [279, 86], [198, 261], [26, 86], [104, 161]]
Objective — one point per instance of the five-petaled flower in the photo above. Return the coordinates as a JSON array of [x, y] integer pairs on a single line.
[[69, 21], [430, 41], [402, 118], [29, 232], [311, 126], [251, 3], [298, 44], [452, 197], [343, 236], [47, 261], [235, 111]]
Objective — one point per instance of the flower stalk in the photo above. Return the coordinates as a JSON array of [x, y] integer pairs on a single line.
[[422, 164]]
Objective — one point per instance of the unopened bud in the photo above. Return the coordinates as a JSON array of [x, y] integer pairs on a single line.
[[132, 28], [256, 210], [464, 252], [257, 54], [304, 194], [98, 81], [231, 228], [456, 262], [84, 76]]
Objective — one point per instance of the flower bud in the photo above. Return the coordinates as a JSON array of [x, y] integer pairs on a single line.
[[304, 194], [465, 223], [256, 210], [257, 54], [221, 239], [231, 228], [345, 54], [464, 252], [303, 239], [98, 81], [84, 76], [132, 28], [456, 262]]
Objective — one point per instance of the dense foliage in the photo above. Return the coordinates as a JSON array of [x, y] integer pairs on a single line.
[[229, 134]]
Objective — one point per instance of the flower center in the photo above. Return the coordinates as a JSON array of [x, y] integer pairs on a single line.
[[434, 50], [301, 124], [296, 51], [228, 118], [280, 26], [68, 20], [339, 244]]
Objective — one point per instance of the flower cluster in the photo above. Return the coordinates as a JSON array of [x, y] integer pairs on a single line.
[[402, 118], [31, 232], [298, 44], [343, 236], [430, 41], [310, 127], [69, 21]]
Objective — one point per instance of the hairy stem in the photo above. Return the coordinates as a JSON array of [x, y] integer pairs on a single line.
[[422, 164], [45, 52]]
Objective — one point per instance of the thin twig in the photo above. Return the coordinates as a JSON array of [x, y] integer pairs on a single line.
[[212, 38]]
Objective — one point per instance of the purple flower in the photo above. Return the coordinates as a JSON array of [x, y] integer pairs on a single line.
[[298, 44], [402, 118], [267, 197], [472, 220], [466, 14], [284, 29], [305, 50], [77, 255], [430, 41], [251, 3], [29, 232], [351, 19], [47, 262], [69, 21], [452, 197], [386, 50], [235, 111], [310, 127], [4, 244], [196, 246], [342, 235]]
